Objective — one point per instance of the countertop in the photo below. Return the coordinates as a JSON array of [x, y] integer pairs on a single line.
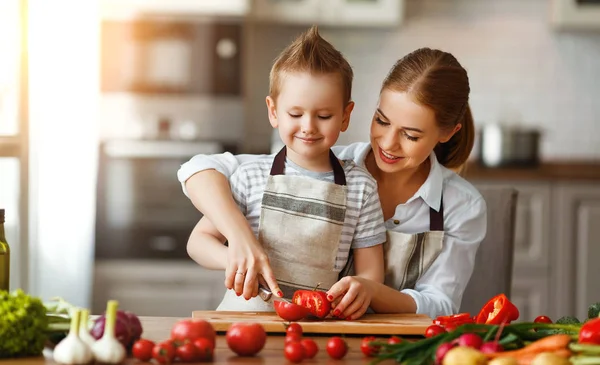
[[580, 171], [159, 328]]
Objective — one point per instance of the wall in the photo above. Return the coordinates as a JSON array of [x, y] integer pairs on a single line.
[[520, 69]]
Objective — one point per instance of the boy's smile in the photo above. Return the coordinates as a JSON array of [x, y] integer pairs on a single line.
[[309, 114]]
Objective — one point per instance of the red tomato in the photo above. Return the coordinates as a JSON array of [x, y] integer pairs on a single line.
[[367, 348], [337, 347], [187, 352], [246, 339], [142, 349], [293, 337], [315, 300], [542, 319], [164, 352], [205, 348], [310, 347], [434, 330], [294, 327], [191, 329], [394, 340], [294, 352], [290, 311]]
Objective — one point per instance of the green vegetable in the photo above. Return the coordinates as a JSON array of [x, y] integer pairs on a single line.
[[25, 324], [594, 310], [568, 320]]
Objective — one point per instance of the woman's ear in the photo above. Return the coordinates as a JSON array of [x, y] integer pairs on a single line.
[[272, 112], [445, 138], [347, 111]]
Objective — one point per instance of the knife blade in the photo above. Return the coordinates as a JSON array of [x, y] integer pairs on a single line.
[[267, 295]]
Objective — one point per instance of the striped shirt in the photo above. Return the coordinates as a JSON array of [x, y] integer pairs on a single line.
[[363, 223]]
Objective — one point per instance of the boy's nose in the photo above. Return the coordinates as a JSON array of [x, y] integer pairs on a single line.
[[308, 125]]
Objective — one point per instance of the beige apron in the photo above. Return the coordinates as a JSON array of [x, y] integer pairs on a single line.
[[300, 228], [408, 256]]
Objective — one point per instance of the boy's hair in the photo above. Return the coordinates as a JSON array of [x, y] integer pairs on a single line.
[[311, 53]]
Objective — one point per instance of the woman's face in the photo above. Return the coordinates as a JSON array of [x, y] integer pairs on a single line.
[[403, 133]]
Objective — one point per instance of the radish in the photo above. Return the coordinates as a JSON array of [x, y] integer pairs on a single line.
[[491, 347], [442, 350], [470, 340]]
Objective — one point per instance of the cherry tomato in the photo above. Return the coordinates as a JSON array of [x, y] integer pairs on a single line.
[[191, 329], [294, 327], [336, 347], [290, 311], [142, 349], [246, 339], [367, 348], [394, 340], [293, 337], [187, 352], [163, 352], [434, 330], [542, 319], [294, 351], [205, 348], [310, 347]]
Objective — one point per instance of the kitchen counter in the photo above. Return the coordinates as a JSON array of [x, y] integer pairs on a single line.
[[563, 170], [159, 328]]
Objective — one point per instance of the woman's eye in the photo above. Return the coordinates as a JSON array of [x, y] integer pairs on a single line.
[[380, 122], [411, 138]]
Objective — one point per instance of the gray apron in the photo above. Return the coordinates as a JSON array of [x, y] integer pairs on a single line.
[[300, 228], [408, 256]]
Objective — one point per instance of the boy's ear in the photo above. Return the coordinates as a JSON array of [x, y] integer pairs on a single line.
[[272, 112], [347, 111]]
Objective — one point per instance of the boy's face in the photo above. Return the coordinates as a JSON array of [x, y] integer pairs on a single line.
[[309, 113]]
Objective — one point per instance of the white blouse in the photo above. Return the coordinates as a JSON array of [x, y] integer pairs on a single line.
[[439, 290]]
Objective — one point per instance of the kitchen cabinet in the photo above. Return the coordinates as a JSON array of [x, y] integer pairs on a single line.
[[172, 288], [557, 242], [116, 9], [371, 13]]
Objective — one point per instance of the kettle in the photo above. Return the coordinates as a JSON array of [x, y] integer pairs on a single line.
[[508, 146]]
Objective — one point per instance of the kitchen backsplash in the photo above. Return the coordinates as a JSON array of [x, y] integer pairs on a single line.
[[520, 69]]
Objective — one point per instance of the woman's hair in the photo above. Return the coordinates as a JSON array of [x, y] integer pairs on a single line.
[[311, 53], [435, 79]]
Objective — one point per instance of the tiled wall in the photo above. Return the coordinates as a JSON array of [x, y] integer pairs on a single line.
[[520, 69]]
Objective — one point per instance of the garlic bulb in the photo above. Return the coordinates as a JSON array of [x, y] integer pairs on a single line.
[[108, 349], [84, 331], [72, 350]]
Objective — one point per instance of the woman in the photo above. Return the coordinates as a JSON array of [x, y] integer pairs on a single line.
[[421, 130]]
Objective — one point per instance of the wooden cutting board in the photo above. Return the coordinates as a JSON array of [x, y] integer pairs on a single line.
[[372, 324]]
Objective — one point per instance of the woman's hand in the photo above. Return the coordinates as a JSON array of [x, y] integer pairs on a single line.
[[246, 260], [350, 297]]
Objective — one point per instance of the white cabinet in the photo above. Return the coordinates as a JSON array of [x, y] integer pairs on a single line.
[[118, 9], [157, 288], [371, 13]]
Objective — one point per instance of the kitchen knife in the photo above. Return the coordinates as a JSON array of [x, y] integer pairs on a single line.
[[266, 295]]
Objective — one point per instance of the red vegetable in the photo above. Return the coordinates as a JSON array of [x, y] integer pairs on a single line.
[[122, 332], [191, 329], [294, 328], [455, 319], [135, 326], [187, 352], [290, 311], [441, 351], [310, 347], [394, 340], [336, 347], [164, 352], [434, 330], [142, 349], [491, 347], [314, 300], [498, 310], [542, 319], [367, 348], [294, 352], [590, 332], [246, 339], [470, 340], [205, 348]]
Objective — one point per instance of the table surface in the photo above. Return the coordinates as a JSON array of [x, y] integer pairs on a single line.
[[158, 329]]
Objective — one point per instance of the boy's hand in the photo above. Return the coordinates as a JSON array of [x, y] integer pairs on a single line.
[[246, 260], [350, 297]]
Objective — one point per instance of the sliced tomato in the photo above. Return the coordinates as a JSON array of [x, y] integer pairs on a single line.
[[290, 311]]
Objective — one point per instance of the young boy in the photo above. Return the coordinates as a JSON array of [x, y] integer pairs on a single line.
[[307, 208]]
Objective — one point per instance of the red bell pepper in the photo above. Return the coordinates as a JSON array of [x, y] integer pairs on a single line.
[[498, 310], [590, 332], [454, 319], [314, 300]]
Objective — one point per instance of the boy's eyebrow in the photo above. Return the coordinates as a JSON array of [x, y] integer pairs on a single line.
[[407, 128]]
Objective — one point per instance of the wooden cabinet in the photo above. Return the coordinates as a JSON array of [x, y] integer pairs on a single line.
[[557, 243], [157, 288], [372, 13]]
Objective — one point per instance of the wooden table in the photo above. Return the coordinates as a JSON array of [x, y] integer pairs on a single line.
[[158, 329]]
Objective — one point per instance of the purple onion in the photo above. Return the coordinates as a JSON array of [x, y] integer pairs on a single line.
[[122, 332], [135, 326]]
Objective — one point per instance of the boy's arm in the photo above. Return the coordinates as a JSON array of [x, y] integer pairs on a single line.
[[206, 246], [369, 263]]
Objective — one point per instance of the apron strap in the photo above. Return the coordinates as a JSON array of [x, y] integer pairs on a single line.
[[338, 171], [436, 219]]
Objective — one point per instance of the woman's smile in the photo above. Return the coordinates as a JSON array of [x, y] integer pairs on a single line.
[[387, 157]]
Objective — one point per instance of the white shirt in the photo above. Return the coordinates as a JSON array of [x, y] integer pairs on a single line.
[[439, 290]]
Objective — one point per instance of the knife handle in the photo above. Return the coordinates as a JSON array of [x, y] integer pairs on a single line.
[[264, 293]]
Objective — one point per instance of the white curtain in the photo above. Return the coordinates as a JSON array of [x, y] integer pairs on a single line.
[[64, 98]]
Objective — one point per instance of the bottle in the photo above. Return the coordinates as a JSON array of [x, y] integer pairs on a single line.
[[4, 256]]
